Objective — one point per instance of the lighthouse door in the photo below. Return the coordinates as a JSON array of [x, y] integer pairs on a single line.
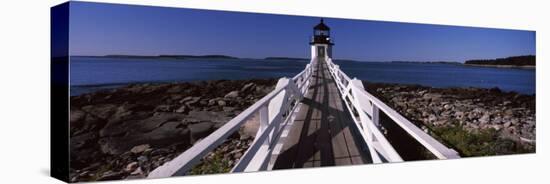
[[321, 51]]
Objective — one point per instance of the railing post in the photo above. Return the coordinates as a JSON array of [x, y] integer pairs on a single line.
[[276, 105], [264, 121], [376, 116]]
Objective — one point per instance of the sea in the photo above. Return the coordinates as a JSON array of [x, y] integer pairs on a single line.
[[90, 74]]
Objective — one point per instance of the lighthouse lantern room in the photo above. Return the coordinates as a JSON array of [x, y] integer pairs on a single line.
[[321, 44]]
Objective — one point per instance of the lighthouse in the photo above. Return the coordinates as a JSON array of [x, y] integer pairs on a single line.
[[321, 44]]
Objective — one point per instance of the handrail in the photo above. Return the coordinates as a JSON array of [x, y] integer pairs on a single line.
[[368, 107], [271, 109]]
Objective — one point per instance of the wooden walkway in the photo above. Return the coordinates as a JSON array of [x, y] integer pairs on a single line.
[[323, 133]]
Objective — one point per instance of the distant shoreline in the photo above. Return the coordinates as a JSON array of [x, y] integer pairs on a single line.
[[503, 66]]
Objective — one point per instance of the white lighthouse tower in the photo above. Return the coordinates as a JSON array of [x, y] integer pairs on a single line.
[[321, 44]]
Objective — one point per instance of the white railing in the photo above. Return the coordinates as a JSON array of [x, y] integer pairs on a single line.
[[367, 120], [273, 111]]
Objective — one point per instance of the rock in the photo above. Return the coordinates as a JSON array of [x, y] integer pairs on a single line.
[[432, 118], [163, 108], [484, 119], [186, 99], [131, 167], [494, 90], [175, 89], [166, 134], [496, 127], [439, 122], [425, 114], [80, 141], [76, 115], [193, 101], [138, 171], [102, 111], [459, 115], [209, 116], [496, 120], [182, 109], [140, 148], [507, 124], [162, 151], [108, 127], [478, 110], [200, 130], [232, 94], [248, 87], [229, 109], [237, 155], [471, 116], [509, 112], [110, 175], [212, 102], [432, 96], [221, 103], [142, 159], [515, 121], [176, 97]]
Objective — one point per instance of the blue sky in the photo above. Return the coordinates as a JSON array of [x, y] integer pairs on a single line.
[[102, 29]]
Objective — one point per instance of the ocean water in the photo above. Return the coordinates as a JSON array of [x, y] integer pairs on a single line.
[[88, 74]]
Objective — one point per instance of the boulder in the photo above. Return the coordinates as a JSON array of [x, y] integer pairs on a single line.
[[229, 109], [182, 109], [76, 115], [202, 116], [111, 175], [138, 171], [507, 124], [193, 101], [102, 111], [131, 167], [484, 119], [248, 87], [163, 108], [432, 118], [232, 94], [140, 148], [212, 102], [200, 130]]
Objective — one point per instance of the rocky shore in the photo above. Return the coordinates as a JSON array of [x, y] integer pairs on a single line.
[[473, 121], [127, 132]]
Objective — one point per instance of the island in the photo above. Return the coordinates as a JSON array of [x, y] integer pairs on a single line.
[[286, 58], [527, 61], [165, 56]]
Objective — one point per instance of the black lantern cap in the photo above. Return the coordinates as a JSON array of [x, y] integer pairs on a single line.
[[321, 26]]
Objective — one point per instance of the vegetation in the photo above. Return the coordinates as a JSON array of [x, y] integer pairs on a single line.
[[481, 142], [212, 165], [528, 60]]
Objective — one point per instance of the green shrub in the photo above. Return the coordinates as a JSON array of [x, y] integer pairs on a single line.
[[482, 142]]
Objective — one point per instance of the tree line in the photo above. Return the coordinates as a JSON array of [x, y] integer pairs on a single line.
[[528, 60]]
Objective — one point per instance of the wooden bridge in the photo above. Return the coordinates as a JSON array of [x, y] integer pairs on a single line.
[[320, 117]]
